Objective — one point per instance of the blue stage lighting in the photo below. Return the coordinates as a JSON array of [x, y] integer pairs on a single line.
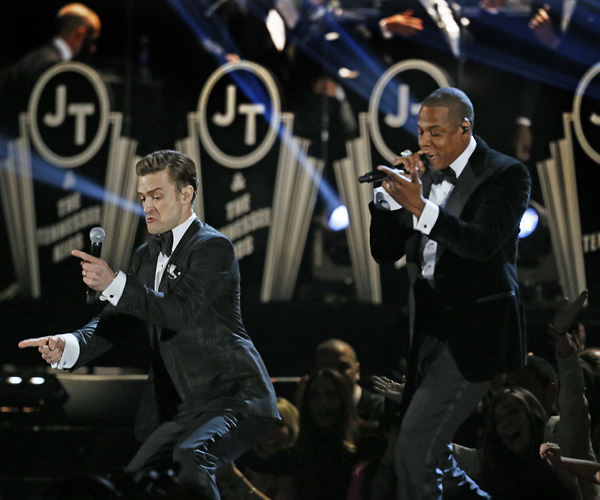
[[528, 223]]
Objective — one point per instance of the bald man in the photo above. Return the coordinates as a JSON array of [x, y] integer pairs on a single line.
[[338, 355]]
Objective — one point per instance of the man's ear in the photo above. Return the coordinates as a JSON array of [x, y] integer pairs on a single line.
[[188, 194], [76, 38], [465, 125]]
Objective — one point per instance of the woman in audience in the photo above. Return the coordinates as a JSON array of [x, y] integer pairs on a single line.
[[590, 362], [328, 443], [266, 471], [508, 465]]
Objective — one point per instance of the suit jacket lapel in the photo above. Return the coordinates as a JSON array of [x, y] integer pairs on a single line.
[[193, 229], [165, 282], [469, 180], [149, 274]]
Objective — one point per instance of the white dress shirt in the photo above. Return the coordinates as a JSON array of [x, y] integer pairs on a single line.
[[437, 198], [66, 54]]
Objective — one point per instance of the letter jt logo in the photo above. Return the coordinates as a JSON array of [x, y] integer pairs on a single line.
[[69, 114]]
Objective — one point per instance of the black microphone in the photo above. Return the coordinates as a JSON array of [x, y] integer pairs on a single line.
[[378, 175], [374, 176], [97, 235]]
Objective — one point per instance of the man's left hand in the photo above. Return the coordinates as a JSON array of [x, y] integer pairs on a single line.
[[95, 271]]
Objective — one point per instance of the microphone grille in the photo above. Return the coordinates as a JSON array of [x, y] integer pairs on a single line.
[[97, 235]]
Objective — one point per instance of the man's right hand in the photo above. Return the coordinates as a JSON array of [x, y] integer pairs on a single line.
[[51, 348], [404, 24]]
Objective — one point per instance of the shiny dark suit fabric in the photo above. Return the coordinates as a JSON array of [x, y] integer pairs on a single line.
[[479, 306], [204, 362]]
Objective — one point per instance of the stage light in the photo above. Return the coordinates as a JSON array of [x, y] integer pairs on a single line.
[[528, 223], [31, 395], [347, 73], [338, 218], [276, 28]]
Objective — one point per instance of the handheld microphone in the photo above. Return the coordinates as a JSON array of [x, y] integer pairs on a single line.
[[97, 235], [373, 176], [378, 175]]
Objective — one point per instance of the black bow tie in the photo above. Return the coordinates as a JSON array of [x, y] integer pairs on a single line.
[[446, 173], [160, 243]]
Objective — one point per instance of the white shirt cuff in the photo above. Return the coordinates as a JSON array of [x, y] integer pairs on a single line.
[[384, 31], [428, 218], [113, 292], [70, 354]]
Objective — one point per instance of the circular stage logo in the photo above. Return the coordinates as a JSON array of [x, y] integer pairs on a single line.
[[69, 114], [396, 100], [586, 113], [239, 112]]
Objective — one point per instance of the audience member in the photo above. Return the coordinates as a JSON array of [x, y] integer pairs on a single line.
[[335, 354], [563, 396], [267, 469], [506, 464], [329, 443], [375, 478], [583, 469], [541, 379], [590, 363], [509, 466]]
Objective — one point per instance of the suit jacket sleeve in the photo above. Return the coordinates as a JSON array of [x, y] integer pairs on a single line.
[[208, 275], [389, 231], [102, 333]]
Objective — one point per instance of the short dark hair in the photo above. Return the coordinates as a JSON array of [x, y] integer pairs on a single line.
[[455, 100], [181, 168], [542, 369]]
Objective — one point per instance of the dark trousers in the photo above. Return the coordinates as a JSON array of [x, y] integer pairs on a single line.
[[436, 403], [194, 444], [442, 401]]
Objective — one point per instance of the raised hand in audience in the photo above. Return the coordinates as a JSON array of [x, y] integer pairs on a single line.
[[389, 388], [584, 469]]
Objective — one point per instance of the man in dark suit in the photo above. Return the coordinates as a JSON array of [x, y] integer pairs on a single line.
[[460, 242], [208, 397], [77, 31]]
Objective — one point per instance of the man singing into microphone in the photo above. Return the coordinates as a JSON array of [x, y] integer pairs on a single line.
[[208, 397], [458, 226]]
